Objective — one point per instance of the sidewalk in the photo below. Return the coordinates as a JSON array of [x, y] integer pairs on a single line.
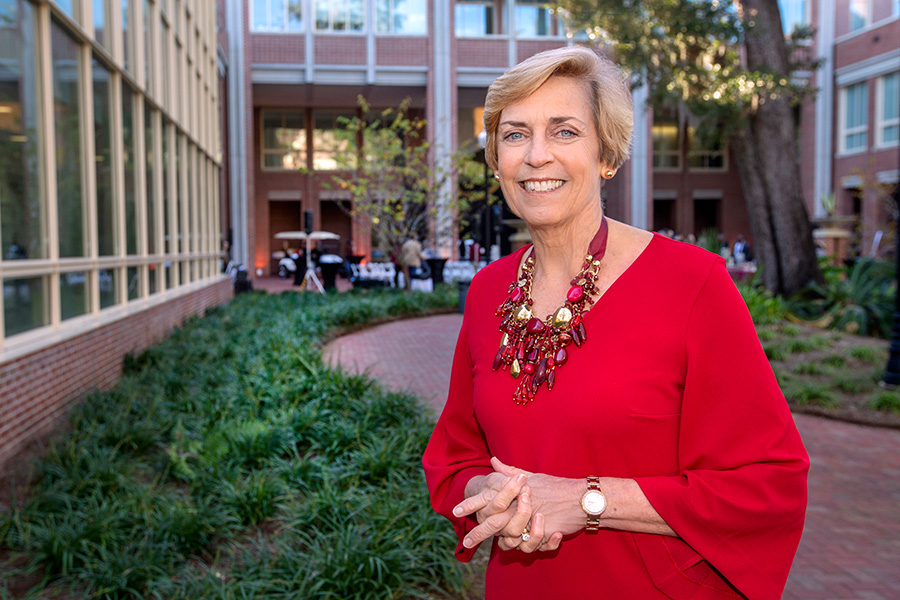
[[851, 544]]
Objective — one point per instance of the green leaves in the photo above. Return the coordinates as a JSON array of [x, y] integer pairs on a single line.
[[231, 463]]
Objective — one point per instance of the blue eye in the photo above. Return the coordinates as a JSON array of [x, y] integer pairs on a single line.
[[514, 136], [567, 133]]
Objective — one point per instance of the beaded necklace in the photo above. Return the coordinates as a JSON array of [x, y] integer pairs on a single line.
[[534, 349]]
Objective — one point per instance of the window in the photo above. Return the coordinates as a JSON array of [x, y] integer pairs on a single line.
[[339, 15], [22, 217], [666, 146], [106, 233], [859, 14], [475, 18], [402, 16], [534, 19], [853, 117], [888, 110], [67, 128], [333, 146], [794, 13], [284, 141], [101, 32], [705, 152], [277, 15]]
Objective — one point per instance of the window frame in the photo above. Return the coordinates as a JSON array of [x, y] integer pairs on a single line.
[[700, 152], [866, 18], [556, 26], [110, 285], [331, 12], [391, 32], [263, 151], [881, 123], [676, 152], [843, 130], [285, 4], [494, 19]]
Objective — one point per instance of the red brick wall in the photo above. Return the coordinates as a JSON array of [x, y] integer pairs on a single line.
[[37, 389]]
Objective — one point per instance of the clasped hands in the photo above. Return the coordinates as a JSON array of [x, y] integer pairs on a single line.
[[511, 501]]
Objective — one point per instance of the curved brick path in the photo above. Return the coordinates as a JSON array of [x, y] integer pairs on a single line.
[[851, 545]]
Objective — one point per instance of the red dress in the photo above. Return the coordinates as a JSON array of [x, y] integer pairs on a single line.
[[671, 389]]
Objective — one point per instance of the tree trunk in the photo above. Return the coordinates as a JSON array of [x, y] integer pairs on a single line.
[[766, 153]]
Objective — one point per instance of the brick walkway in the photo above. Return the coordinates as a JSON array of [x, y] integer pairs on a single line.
[[851, 545]]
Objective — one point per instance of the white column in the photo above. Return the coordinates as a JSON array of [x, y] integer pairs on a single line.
[[824, 105], [443, 135], [639, 159], [237, 140]]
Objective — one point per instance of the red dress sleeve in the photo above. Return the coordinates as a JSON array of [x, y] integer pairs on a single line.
[[457, 450], [740, 499]]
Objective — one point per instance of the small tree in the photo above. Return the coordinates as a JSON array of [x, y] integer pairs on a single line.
[[396, 184]]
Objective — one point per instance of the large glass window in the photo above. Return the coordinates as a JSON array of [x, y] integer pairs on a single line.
[[67, 127], [705, 151], [102, 32], [475, 18], [284, 140], [25, 304], [859, 14], [333, 146], [794, 13], [106, 235], [889, 110], [70, 7], [73, 294], [666, 145], [339, 15], [150, 161], [22, 217], [402, 16], [128, 151], [534, 19], [126, 36], [854, 122], [277, 15]]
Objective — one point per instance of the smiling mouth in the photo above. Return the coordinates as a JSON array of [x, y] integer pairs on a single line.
[[542, 186]]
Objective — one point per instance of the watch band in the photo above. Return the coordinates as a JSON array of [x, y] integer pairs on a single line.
[[593, 521]]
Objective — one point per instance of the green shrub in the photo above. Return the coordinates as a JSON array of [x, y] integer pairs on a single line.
[[859, 300], [765, 307], [230, 462], [886, 400], [805, 393], [867, 354]]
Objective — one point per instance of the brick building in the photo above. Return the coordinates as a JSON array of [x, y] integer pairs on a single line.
[[110, 216]]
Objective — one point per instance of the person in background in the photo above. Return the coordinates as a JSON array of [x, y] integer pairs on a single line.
[[411, 256], [613, 428]]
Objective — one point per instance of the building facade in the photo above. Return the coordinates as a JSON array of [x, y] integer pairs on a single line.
[[850, 144], [110, 218]]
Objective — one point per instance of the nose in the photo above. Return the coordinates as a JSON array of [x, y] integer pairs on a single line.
[[539, 153]]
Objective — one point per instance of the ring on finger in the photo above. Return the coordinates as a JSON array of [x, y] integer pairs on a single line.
[[526, 535]]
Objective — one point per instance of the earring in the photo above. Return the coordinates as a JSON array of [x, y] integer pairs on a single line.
[[610, 173], [497, 176]]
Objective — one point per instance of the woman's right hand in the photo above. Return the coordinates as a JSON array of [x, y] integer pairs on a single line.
[[502, 506]]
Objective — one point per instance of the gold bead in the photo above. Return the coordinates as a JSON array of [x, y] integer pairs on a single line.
[[515, 369], [562, 316], [524, 313], [504, 341]]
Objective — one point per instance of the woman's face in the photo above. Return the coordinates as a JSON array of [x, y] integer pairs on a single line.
[[548, 155]]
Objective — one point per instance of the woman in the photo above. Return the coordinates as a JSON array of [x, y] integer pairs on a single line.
[[613, 425]]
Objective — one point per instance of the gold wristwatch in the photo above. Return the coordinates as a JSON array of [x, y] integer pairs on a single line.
[[593, 502]]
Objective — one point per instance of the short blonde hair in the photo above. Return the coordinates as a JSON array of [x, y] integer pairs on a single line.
[[604, 83]]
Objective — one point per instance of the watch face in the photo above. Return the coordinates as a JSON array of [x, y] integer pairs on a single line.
[[593, 502]]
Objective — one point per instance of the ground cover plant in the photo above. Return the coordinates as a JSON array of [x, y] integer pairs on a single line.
[[231, 463]]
